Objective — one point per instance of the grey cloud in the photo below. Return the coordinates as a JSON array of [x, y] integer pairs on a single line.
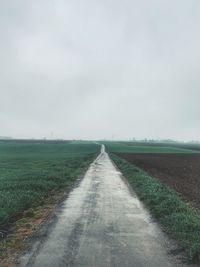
[[93, 69]]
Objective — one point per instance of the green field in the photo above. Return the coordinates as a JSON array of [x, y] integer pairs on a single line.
[[30, 171], [147, 147]]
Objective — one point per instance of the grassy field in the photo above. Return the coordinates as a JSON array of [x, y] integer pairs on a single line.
[[30, 171], [142, 147], [176, 216]]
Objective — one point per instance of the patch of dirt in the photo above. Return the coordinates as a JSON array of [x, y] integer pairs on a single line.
[[179, 171], [14, 243]]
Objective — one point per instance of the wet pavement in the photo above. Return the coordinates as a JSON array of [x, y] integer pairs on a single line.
[[101, 223]]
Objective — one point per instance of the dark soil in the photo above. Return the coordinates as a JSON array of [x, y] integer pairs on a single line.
[[179, 171]]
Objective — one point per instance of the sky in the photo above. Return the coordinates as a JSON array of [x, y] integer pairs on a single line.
[[98, 69]]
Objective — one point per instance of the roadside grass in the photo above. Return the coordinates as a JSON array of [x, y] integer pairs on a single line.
[[176, 216], [31, 171], [139, 147]]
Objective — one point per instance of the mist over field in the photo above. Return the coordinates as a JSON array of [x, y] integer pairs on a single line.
[[100, 69]]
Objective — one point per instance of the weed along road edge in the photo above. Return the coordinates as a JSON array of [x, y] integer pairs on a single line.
[[101, 223]]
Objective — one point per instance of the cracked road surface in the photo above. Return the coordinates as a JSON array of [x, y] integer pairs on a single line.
[[101, 223]]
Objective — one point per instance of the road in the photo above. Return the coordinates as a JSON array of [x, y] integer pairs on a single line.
[[101, 223]]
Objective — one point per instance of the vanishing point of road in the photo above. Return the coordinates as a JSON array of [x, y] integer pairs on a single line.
[[101, 223]]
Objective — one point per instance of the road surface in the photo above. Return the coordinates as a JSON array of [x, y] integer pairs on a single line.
[[101, 223]]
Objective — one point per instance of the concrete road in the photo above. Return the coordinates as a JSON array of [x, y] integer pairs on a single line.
[[101, 223]]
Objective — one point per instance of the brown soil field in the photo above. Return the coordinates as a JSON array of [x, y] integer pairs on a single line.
[[179, 171]]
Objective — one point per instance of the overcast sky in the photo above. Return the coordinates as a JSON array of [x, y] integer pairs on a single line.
[[97, 69]]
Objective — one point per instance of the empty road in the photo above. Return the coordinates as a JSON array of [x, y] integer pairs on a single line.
[[101, 223]]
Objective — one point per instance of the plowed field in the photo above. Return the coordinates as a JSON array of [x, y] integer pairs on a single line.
[[179, 171]]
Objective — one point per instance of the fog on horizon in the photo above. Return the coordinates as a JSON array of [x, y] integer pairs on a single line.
[[100, 69]]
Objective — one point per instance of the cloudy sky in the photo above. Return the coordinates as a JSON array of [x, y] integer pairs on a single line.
[[97, 69]]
